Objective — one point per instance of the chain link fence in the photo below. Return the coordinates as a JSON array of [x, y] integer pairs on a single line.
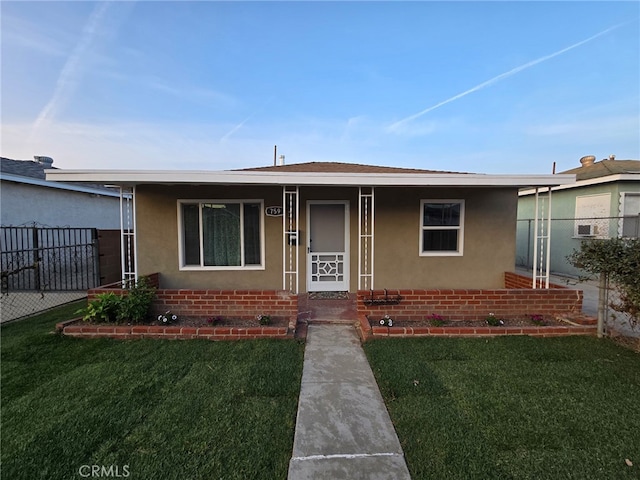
[[43, 267], [566, 236]]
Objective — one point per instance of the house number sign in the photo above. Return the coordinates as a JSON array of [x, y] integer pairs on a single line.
[[274, 211]]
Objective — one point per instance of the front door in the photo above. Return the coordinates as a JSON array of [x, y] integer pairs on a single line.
[[328, 246]]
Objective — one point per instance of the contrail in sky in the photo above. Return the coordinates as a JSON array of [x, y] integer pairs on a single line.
[[395, 126], [69, 76], [241, 124]]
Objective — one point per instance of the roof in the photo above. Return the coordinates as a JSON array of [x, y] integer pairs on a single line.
[[604, 168], [338, 167], [34, 173], [310, 174], [23, 168]]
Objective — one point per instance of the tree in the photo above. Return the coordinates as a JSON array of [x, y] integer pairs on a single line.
[[616, 260]]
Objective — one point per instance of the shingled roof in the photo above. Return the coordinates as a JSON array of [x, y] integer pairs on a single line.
[[604, 168], [338, 167], [23, 168], [33, 169]]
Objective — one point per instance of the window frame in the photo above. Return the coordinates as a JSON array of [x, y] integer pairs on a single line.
[[181, 260], [459, 228]]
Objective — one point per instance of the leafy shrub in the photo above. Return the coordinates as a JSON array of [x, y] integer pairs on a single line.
[[264, 319], [134, 307], [493, 321], [436, 320], [618, 259], [104, 308]]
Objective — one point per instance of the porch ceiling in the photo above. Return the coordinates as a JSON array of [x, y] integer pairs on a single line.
[[247, 177]]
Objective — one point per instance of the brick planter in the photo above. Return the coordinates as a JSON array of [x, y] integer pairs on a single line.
[[239, 304], [471, 304], [77, 328], [368, 332]]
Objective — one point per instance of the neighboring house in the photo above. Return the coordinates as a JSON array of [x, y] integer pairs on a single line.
[[56, 239], [604, 202], [322, 226], [29, 199]]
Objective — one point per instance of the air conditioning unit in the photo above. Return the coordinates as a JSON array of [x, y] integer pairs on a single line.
[[587, 230]]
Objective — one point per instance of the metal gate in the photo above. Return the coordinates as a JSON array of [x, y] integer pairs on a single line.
[[52, 259], [44, 266]]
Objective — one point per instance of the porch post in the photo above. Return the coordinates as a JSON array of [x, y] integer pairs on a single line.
[[290, 237], [366, 224], [542, 239], [128, 253]]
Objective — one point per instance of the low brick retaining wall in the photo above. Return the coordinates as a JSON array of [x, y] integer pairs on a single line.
[[470, 304], [239, 304], [368, 332], [233, 304], [77, 328]]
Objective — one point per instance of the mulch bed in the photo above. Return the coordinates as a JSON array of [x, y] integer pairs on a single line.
[[507, 322], [205, 322], [223, 322]]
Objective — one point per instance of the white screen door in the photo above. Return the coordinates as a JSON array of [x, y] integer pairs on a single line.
[[328, 246]]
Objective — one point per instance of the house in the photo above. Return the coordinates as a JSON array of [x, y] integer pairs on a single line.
[[28, 198], [318, 226], [604, 202]]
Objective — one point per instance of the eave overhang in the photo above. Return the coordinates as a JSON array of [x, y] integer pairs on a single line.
[[127, 178], [60, 186]]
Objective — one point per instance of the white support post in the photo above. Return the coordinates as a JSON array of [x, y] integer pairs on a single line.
[[548, 265], [366, 224], [290, 238], [542, 240], [128, 253]]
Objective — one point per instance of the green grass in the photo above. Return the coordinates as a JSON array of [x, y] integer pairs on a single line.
[[164, 409], [512, 407]]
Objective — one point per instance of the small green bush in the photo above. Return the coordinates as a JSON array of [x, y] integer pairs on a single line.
[[131, 308], [105, 308], [493, 321], [134, 307], [618, 259], [264, 319]]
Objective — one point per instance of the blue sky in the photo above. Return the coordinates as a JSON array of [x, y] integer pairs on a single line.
[[486, 87]]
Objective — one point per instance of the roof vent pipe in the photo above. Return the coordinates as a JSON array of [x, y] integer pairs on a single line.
[[281, 160], [46, 161], [588, 160]]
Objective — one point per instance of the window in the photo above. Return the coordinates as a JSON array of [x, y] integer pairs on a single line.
[[441, 227], [592, 216], [223, 235], [630, 222]]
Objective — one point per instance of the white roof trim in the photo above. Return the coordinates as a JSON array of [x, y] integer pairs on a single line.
[[622, 177], [245, 177], [60, 186]]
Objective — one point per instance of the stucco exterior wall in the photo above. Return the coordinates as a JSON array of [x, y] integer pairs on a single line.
[[24, 204], [157, 237], [489, 240], [489, 237]]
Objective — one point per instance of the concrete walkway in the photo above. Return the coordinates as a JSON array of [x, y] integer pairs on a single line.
[[343, 430]]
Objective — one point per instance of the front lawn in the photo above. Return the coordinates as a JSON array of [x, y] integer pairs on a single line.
[[145, 408], [512, 407]]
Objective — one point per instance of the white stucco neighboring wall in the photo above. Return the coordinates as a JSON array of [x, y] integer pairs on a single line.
[[24, 204]]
